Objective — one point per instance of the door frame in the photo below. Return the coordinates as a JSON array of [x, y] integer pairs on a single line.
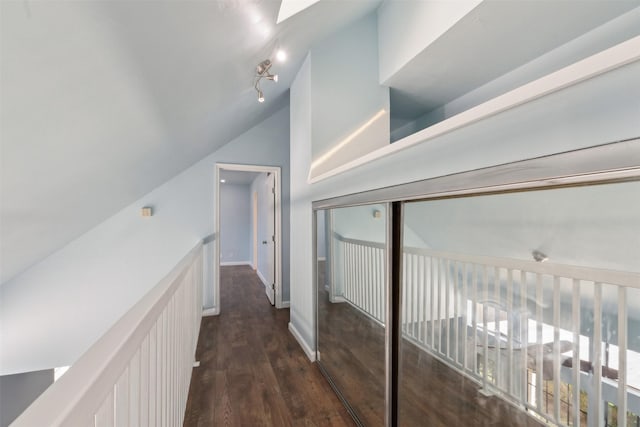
[[254, 219], [276, 170]]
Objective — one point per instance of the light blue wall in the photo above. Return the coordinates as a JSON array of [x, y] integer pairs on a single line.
[[358, 222], [301, 313], [589, 226], [406, 28], [82, 289], [345, 67], [235, 220]]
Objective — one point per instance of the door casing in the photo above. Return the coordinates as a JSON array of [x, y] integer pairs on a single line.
[[276, 171]]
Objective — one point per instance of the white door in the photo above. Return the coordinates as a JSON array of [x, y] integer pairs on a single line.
[[270, 237]]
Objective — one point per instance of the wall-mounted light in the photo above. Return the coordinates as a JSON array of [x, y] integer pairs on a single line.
[[539, 256], [146, 211], [262, 71], [377, 214]]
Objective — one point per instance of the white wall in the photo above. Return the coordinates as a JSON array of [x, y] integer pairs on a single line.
[[405, 28], [588, 226], [301, 244], [321, 237], [358, 222], [597, 111], [345, 67], [54, 311], [235, 223]]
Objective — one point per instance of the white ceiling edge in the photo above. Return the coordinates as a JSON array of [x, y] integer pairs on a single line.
[[288, 8], [610, 59], [237, 177]]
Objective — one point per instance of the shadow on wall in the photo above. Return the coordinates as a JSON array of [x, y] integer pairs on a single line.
[[18, 391]]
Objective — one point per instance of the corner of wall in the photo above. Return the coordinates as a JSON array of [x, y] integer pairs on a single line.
[[308, 350]]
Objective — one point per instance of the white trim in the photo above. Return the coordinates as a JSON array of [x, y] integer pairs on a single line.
[[230, 263], [264, 281], [276, 170], [305, 347], [213, 311], [621, 278], [337, 299], [286, 304], [322, 258], [254, 219], [600, 63]]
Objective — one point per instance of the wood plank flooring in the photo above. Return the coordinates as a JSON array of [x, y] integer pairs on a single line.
[[252, 371], [430, 393]]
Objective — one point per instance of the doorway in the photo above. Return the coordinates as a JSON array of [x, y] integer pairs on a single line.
[[265, 246]]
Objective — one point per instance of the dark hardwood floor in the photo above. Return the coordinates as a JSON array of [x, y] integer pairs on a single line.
[[252, 371], [430, 393]]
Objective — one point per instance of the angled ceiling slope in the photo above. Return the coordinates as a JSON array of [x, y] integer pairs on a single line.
[[103, 101], [495, 38]]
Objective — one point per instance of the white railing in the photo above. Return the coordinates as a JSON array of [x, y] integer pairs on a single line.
[[542, 335], [362, 275], [526, 330], [138, 373]]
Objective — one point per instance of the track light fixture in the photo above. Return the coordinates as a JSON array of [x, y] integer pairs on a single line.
[[262, 71]]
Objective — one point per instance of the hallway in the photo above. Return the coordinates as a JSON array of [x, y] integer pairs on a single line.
[[252, 371]]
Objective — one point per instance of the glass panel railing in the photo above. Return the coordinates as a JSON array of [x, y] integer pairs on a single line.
[[351, 248]]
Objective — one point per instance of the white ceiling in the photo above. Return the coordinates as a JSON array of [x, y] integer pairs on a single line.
[[103, 101], [493, 39], [237, 177]]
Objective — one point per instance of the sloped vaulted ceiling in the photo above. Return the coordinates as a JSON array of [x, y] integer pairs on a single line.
[[103, 101]]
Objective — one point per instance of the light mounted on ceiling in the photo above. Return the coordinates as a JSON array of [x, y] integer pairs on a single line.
[[262, 71]]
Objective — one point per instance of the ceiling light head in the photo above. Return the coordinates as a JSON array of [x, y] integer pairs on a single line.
[[263, 67], [223, 180], [539, 256], [262, 71], [281, 55]]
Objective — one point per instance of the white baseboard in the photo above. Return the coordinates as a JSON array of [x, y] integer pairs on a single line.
[[337, 299], [305, 347], [227, 263], [213, 311], [285, 304], [322, 258], [264, 281]]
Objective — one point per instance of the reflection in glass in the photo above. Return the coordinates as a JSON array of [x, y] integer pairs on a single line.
[[517, 295], [351, 302]]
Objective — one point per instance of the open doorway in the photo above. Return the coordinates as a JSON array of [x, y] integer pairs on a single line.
[[257, 243]]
